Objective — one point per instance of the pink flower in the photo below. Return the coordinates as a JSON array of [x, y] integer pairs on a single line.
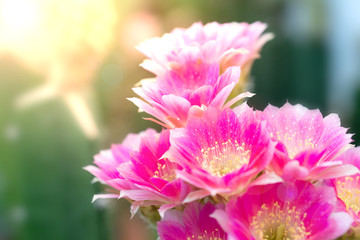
[[296, 211], [221, 152], [229, 44], [348, 188], [195, 67], [172, 97], [109, 160], [308, 144], [193, 223], [136, 169]]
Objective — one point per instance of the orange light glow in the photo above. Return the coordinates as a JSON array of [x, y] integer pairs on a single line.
[[63, 40]]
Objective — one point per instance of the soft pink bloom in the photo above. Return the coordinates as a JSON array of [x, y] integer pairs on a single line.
[[348, 188], [136, 169], [298, 211], [222, 152], [173, 97], [193, 223], [229, 44], [195, 67], [109, 160], [308, 144]]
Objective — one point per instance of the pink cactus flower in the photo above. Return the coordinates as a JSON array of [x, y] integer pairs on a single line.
[[195, 67], [229, 44], [298, 211], [171, 98], [348, 188], [308, 144], [222, 152], [136, 169], [193, 223]]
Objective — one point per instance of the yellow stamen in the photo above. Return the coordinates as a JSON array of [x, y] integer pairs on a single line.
[[279, 223], [214, 235], [294, 141], [349, 193], [165, 170], [224, 158]]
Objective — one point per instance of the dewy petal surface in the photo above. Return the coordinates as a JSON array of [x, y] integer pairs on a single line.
[[306, 137], [297, 211], [348, 187], [222, 151]]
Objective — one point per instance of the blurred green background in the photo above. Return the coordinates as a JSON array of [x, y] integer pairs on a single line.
[[65, 77]]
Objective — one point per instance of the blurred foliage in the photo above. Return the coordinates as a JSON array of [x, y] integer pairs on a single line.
[[44, 192]]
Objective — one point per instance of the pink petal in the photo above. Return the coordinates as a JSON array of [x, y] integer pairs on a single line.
[[196, 195], [163, 208], [104, 196]]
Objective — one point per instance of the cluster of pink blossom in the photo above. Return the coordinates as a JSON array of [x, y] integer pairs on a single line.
[[217, 172]]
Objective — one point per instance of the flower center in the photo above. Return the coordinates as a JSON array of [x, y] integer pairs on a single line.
[[165, 170], [349, 192], [224, 158], [294, 142], [214, 235], [278, 223]]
